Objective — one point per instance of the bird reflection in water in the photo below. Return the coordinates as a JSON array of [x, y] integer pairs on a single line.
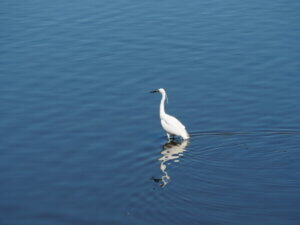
[[171, 151]]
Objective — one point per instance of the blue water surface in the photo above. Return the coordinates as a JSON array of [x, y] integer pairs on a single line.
[[80, 137]]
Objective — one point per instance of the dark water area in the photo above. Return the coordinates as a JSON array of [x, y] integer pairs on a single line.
[[80, 137]]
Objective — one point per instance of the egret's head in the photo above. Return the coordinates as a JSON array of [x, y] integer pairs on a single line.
[[161, 90]]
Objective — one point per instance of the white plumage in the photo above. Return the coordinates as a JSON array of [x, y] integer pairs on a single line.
[[170, 124]]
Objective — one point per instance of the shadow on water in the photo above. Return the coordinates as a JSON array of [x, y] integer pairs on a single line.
[[172, 151]]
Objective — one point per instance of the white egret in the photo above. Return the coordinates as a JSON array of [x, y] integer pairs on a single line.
[[170, 124]]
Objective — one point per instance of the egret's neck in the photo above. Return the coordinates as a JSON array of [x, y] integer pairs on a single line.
[[162, 105]]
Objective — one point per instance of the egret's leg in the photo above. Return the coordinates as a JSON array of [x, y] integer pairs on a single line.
[[169, 136]]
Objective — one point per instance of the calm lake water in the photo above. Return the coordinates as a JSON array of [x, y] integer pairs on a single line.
[[81, 141]]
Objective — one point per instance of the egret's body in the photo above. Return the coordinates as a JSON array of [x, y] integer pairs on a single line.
[[170, 124]]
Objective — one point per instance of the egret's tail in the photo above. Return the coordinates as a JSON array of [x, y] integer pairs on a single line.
[[185, 135]]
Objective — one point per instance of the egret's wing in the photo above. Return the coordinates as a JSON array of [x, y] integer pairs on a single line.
[[173, 121], [173, 126]]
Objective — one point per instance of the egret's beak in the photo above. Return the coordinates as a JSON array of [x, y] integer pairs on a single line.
[[153, 91]]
